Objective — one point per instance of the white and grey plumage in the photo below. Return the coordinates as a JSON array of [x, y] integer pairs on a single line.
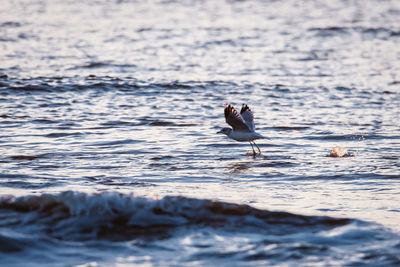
[[242, 123]]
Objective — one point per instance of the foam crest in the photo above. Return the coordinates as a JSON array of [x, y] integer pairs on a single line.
[[50, 222], [112, 208]]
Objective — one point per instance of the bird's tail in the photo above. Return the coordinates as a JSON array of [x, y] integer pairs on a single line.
[[259, 136]]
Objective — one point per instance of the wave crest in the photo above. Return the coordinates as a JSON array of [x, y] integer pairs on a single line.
[[99, 215]]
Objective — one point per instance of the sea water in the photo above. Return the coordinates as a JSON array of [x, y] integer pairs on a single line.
[[108, 119]]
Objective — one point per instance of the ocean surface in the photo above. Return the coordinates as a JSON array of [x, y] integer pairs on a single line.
[[109, 152]]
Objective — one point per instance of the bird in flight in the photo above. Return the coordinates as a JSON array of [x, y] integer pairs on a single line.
[[243, 128]]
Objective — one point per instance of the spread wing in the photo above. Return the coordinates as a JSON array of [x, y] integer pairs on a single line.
[[234, 119], [248, 117]]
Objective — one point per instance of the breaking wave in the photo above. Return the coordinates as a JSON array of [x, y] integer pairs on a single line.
[[112, 219]]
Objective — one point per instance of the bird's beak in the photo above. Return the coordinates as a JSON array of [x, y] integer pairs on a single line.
[[219, 132]]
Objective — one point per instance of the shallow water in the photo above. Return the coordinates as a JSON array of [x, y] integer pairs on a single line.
[[109, 99]]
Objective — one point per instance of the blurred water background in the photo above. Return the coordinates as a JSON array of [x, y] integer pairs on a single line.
[[108, 119]]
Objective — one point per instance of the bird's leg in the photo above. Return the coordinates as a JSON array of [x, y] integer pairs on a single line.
[[259, 151], [254, 152]]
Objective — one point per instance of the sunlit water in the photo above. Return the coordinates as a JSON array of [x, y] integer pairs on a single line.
[[116, 101]]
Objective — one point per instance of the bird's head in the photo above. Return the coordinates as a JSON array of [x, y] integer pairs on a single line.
[[225, 131]]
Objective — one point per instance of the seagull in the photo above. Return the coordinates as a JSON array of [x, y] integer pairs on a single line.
[[242, 124]]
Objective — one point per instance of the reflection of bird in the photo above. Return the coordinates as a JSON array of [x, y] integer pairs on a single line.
[[242, 124]]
